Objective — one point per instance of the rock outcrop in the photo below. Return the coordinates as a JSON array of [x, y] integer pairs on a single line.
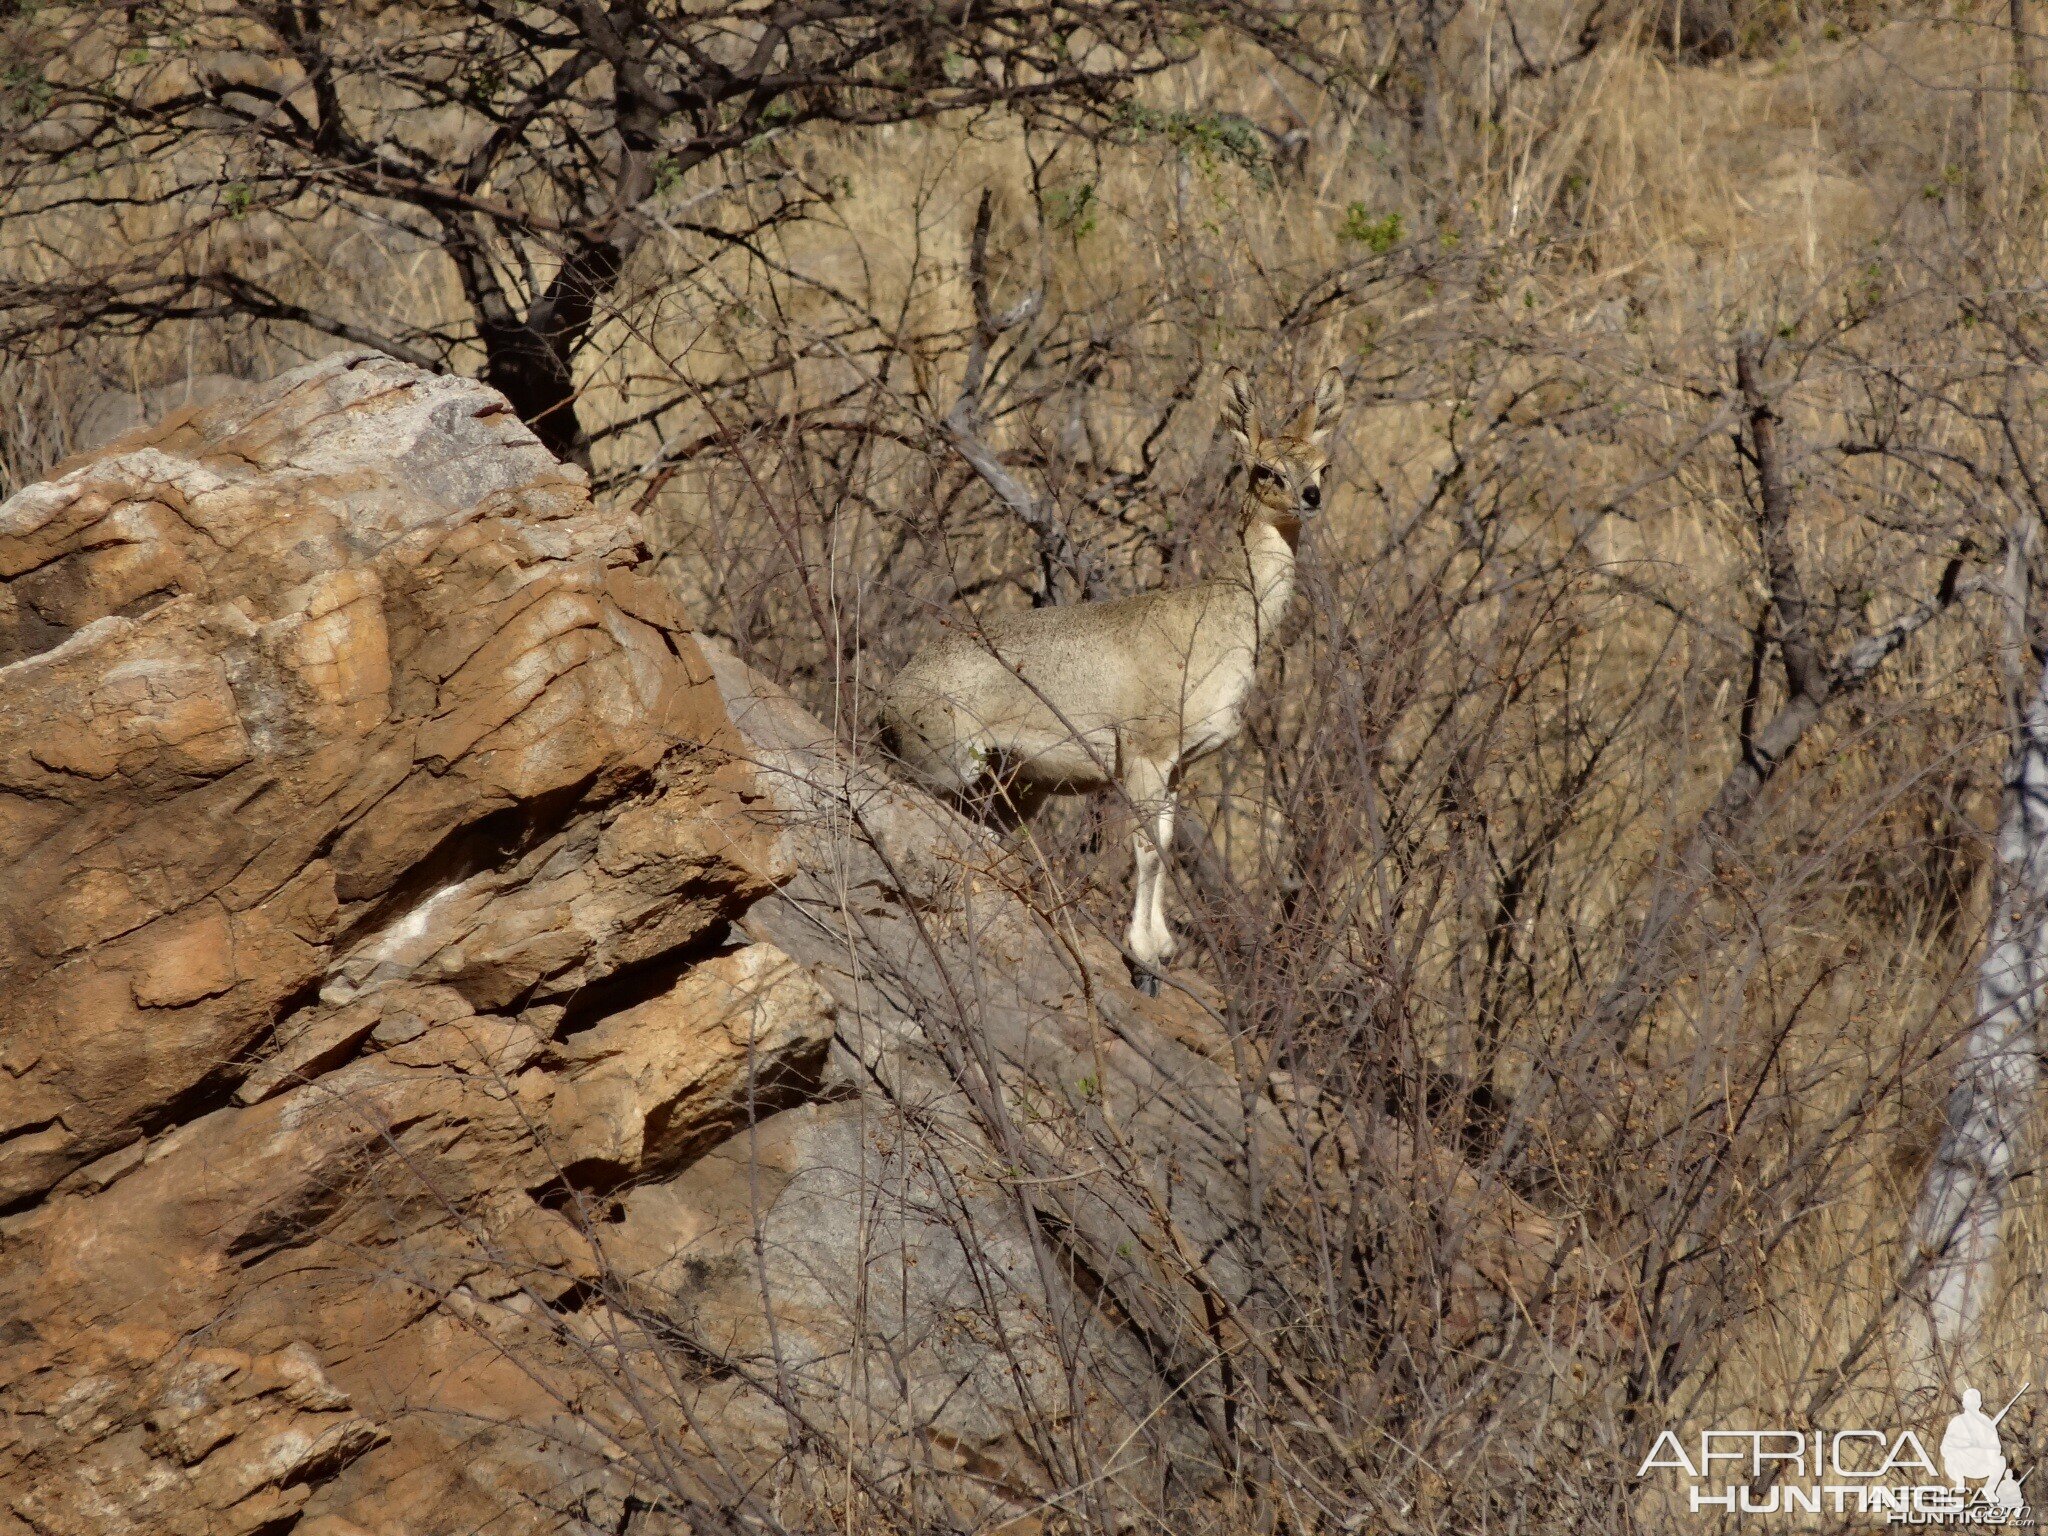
[[474, 1060]]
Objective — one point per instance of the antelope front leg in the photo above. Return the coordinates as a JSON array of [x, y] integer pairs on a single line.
[[1164, 943], [1150, 940]]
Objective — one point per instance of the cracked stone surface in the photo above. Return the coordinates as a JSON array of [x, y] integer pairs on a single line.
[[294, 691]]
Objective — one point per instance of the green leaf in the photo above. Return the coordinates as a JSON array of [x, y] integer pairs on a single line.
[[1378, 234]]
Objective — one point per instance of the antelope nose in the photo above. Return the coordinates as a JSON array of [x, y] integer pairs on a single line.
[[1311, 496]]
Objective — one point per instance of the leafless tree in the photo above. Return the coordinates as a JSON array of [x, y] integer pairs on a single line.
[[152, 156]]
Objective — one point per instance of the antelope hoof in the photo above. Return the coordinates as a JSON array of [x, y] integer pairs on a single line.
[[1144, 979]]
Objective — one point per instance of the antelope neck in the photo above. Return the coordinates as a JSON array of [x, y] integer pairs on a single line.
[[1269, 544]]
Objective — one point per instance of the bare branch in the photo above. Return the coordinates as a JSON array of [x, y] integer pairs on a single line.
[[1057, 549]]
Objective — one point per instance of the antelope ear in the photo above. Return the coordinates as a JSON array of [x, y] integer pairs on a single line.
[[1239, 414], [1329, 400], [1320, 414]]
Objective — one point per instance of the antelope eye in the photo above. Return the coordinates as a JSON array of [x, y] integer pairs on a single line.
[[1265, 474]]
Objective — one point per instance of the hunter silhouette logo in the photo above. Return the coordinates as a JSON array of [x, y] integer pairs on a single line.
[[1970, 1450], [1879, 1473]]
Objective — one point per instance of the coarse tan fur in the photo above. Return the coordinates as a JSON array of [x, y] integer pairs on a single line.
[[1121, 694]]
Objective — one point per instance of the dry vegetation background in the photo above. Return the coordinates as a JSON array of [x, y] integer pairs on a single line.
[[1462, 870]]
